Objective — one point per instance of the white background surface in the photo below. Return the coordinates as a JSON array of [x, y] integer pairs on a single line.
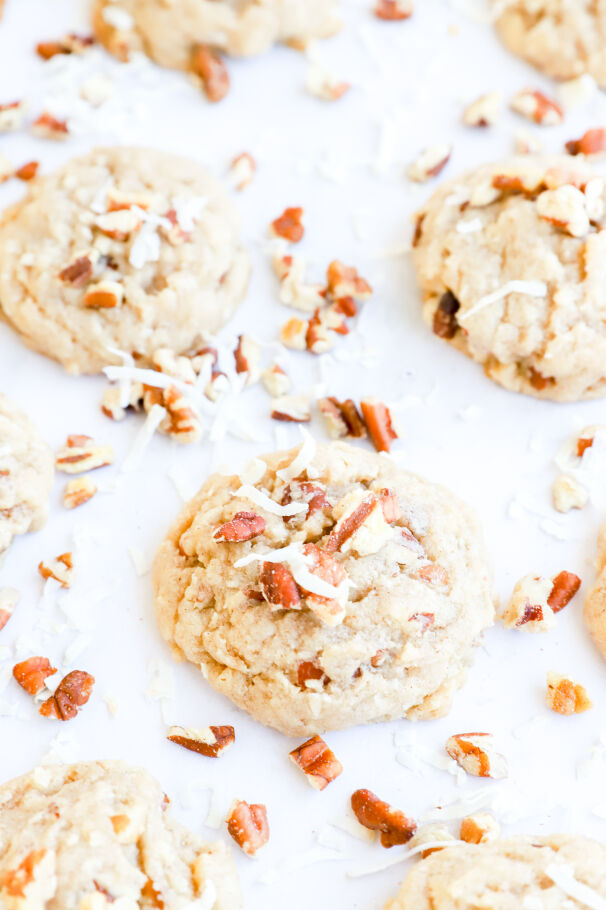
[[343, 163]]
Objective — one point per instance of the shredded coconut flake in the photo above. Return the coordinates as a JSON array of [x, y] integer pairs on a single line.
[[118, 18], [298, 563], [531, 288], [143, 438], [261, 499], [302, 459], [563, 877]]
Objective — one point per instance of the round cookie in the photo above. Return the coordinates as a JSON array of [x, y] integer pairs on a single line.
[[324, 588], [169, 33], [561, 38], [124, 248], [26, 474], [97, 835], [511, 261], [520, 872], [595, 602]]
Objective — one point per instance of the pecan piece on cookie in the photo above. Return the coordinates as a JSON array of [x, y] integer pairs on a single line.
[[243, 526], [394, 826], [212, 741], [317, 761], [279, 587]]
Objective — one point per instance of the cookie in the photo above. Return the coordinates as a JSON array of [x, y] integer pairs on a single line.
[[510, 260], [26, 474], [98, 835], [325, 587], [170, 33], [555, 872], [124, 249], [561, 38], [595, 602]]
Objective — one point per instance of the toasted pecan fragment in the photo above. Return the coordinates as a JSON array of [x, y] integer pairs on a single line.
[[484, 111], [565, 586], [304, 491], [279, 587], [242, 170], [537, 106], [212, 741], [593, 142], [317, 761], [247, 355], [291, 409], [394, 826], [434, 574], [72, 693], [476, 754], [584, 443], [276, 381], [393, 10], [289, 225], [61, 569], [445, 323], [243, 526], [32, 672], [78, 273], [82, 454], [211, 69], [344, 281], [27, 171], [69, 44], [325, 567], [349, 524], [343, 418], [538, 381], [15, 881], [308, 672], [104, 295], [12, 116], [564, 696], [49, 127], [78, 491], [379, 423], [430, 163], [568, 493], [479, 828], [248, 826], [9, 598]]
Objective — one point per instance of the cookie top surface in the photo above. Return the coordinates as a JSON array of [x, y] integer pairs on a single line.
[[98, 835], [359, 595], [511, 259], [26, 474], [123, 248], [169, 33], [595, 602], [563, 39], [520, 872]]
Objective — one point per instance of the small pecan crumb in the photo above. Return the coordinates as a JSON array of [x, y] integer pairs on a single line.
[[279, 587], [293, 334], [289, 225], [104, 295], [484, 111], [565, 208], [78, 491], [394, 826], [12, 116], [343, 281], [49, 127], [325, 567], [430, 163], [9, 598], [27, 171], [31, 673], [434, 574], [325, 85], [593, 142], [242, 170], [311, 676], [111, 403], [14, 881], [393, 10], [538, 381], [445, 323], [182, 422], [69, 44], [343, 418], [72, 693], [291, 408], [568, 493], [247, 356], [538, 107], [61, 569], [565, 696], [379, 423], [585, 441], [565, 586], [248, 826], [212, 741], [317, 761], [276, 381], [212, 72], [78, 273], [81, 454], [476, 754], [480, 828], [243, 526]]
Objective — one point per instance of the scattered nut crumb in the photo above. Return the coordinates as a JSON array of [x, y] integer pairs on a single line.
[[61, 569], [78, 491], [565, 696], [538, 107], [72, 693], [82, 454], [480, 828], [212, 741], [430, 163], [484, 111], [209, 67], [476, 754], [393, 10], [289, 225], [394, 826], [248, 826], [317, 761], [32, 673], [593, 142], [242, 170], [568, 494], [292, 408], [49, 127]]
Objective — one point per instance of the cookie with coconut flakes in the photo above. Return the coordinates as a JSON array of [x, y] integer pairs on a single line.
[[553, 873], [97, 835], [511, 262], [123, 248], [560, 38], [26, 474], [326, 587], [170, 33]]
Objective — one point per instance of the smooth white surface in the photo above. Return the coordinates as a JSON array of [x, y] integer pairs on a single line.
[[345, 164]]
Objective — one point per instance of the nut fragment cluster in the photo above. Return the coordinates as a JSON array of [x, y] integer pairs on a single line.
[[536, 600]]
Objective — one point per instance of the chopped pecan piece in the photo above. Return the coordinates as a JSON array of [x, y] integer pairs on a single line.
[[289, 225], [12, 116], [390, 506], [476, 754], [182, 422], [243, 169], [31, 673], [49, 127], [248, 826], [317, 761], [276, 381], [309, 671], [211, 69], [484, 111], [379, 423], [393, 10], [344, 281], [434, 574], [350, 523], [394, 826], [291, 408], [430, 163], [325, 85], [320, 563], [247, 356], [480, 828], [78, 491], [82, 454], [27, 171], [593, 142], [565, 208], [69, 44], [305, 491], [14, 882], [243, 526], [212, 741], [279, 587], [343, 418], [565, 586], [9, 598], [61, 569], [538, 107], [564, 696], [119, 224], [584, 442], [293, 334], [78, 273], [538, 381], [568, 493], [104, 295], [111, 403], [72, 693], [445, 323]]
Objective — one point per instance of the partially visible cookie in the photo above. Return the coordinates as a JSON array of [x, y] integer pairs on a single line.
[[554, 873], [511, 261], [595, 602], [26, 474], [170, 33], [561, 38], [98, 835], [124, 248], [324, 588]]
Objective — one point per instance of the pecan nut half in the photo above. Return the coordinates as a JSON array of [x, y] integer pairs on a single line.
[[243, 526]]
